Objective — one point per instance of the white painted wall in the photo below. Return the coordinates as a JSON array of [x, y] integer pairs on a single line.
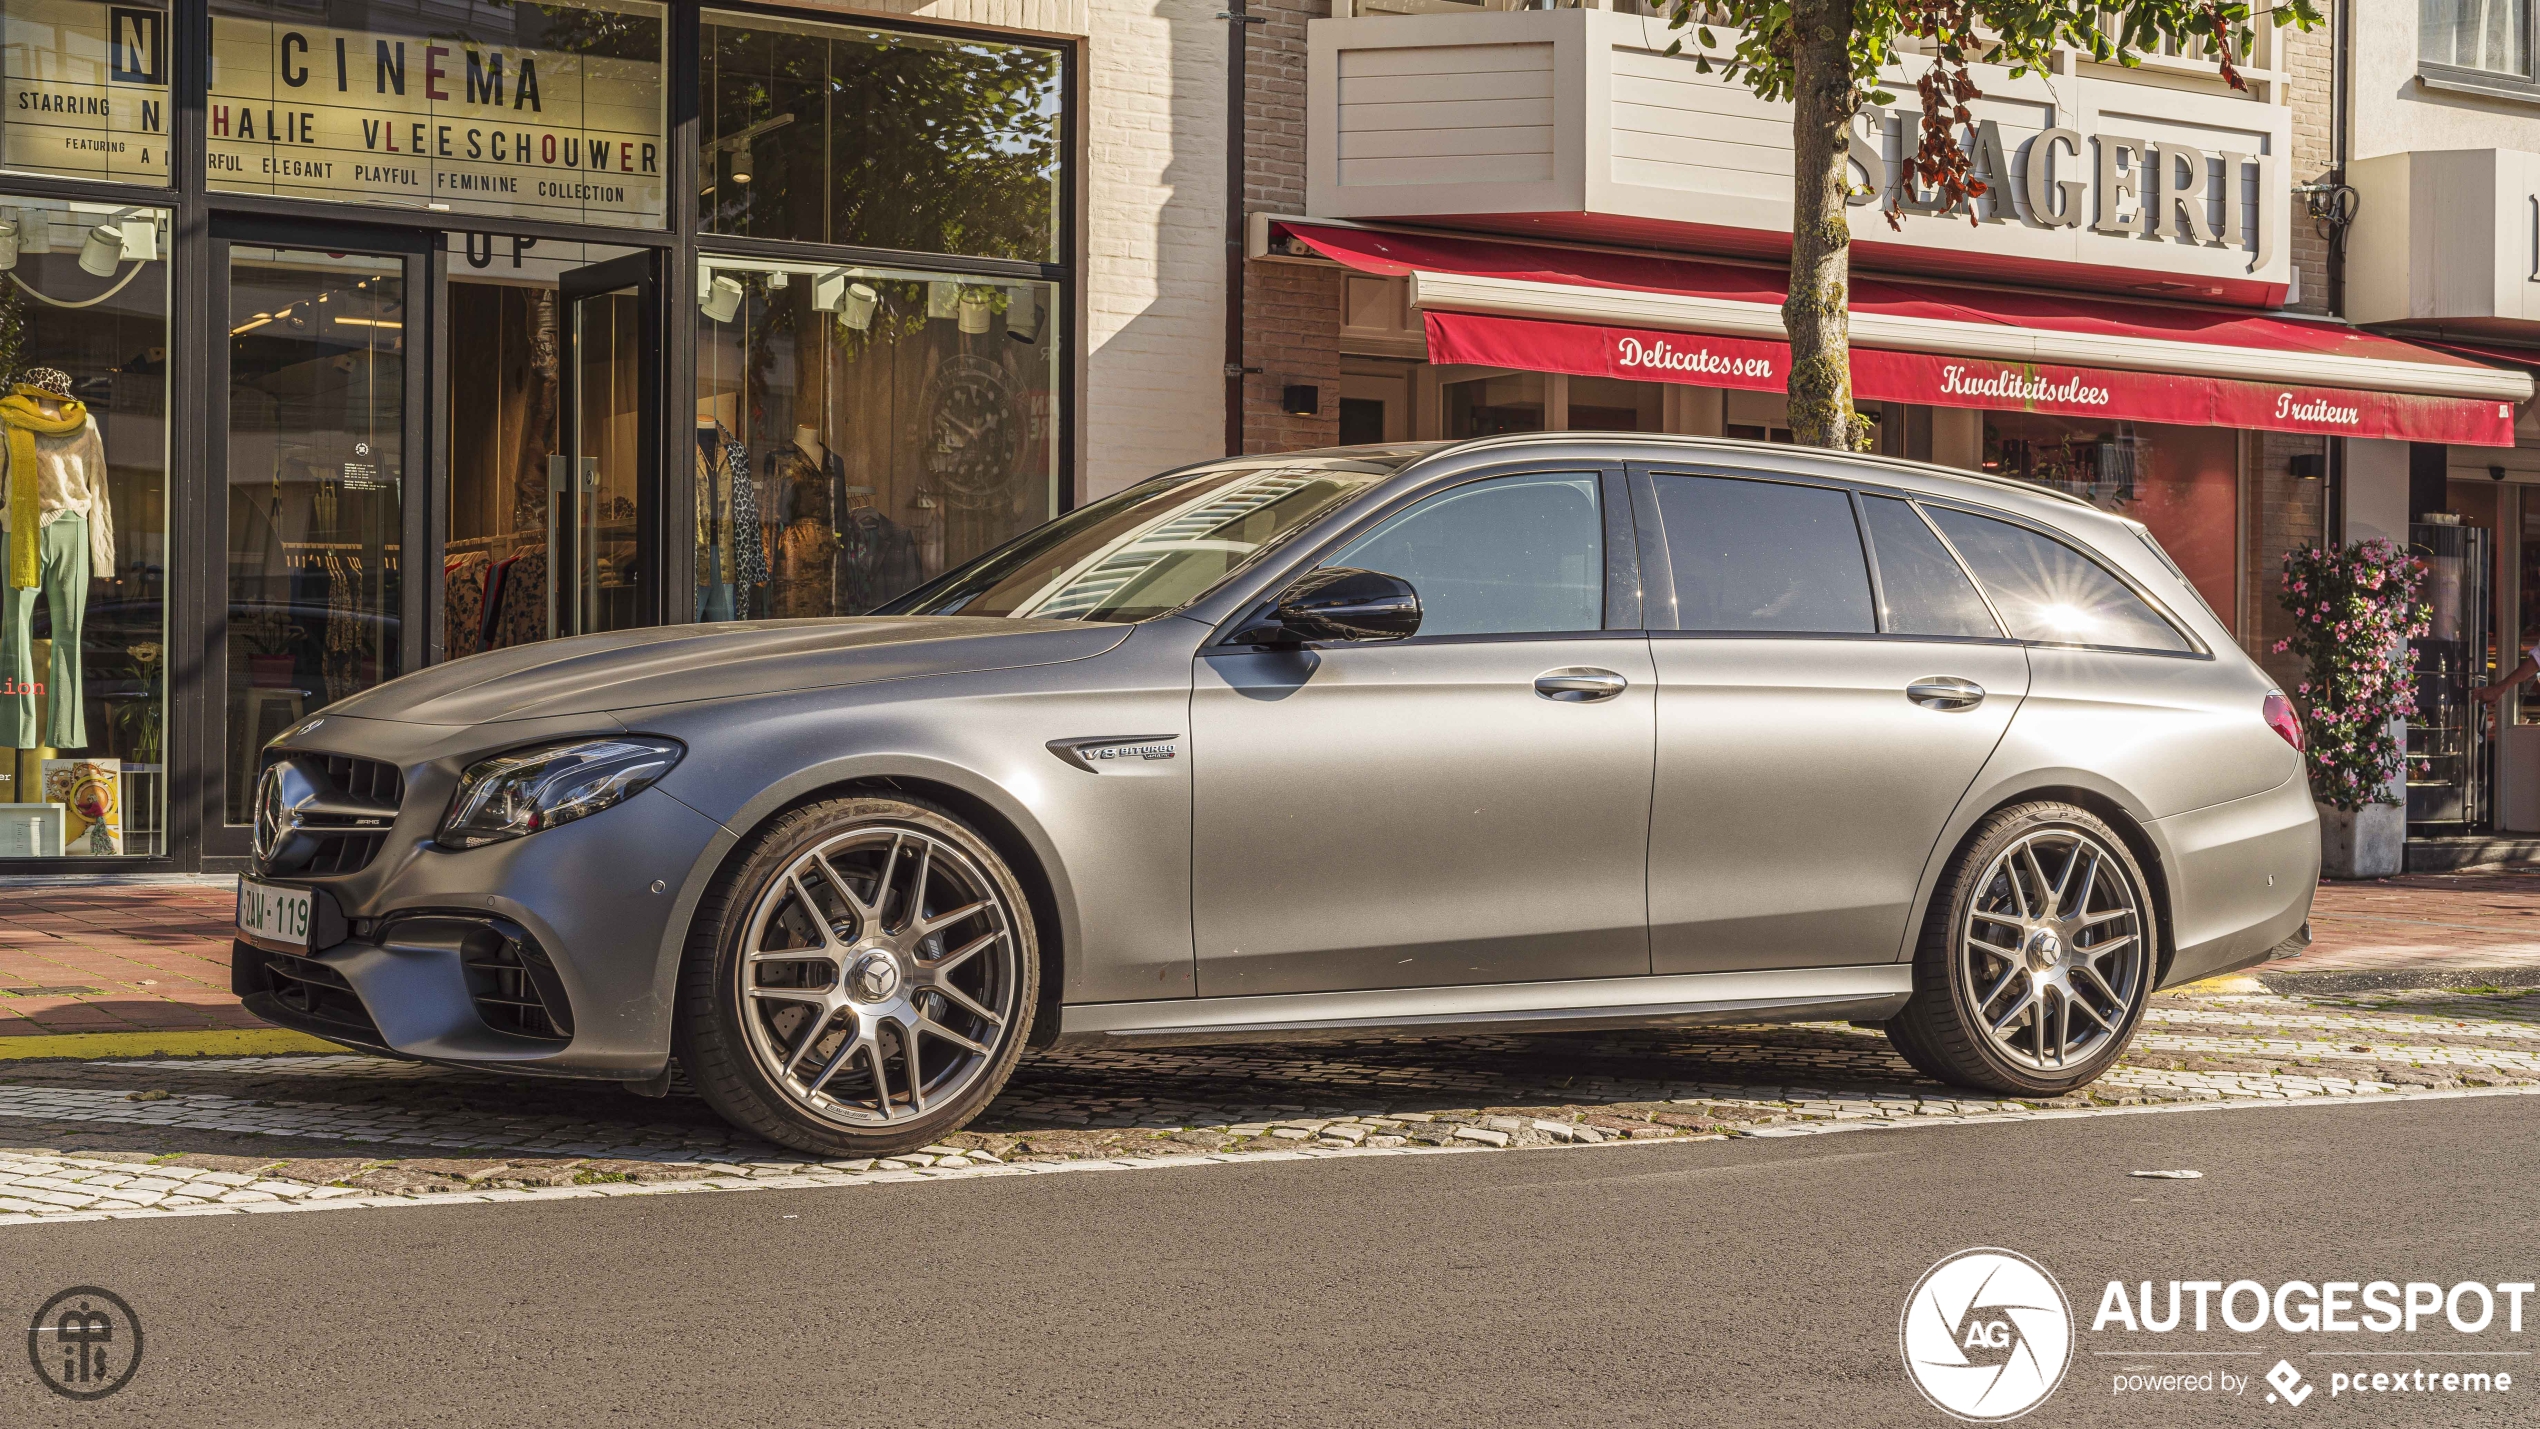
[[2393, 114], [1154, 194], [2376, 490]]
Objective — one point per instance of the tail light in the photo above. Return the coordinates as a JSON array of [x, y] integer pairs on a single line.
[[2282, 719]]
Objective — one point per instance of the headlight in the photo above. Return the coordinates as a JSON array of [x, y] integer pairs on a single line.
[[519, 793]]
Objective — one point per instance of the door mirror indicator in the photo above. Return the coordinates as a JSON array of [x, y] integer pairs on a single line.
[[1337, 604]]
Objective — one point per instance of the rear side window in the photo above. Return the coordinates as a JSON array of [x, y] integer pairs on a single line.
[[1926, 591], [2049, 592], [1764, 556], [1515, 555]]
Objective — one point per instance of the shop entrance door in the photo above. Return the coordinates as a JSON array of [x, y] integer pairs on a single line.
[[314, 519], [553, 431], [597, 483]]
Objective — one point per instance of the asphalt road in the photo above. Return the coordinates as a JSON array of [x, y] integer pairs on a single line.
[[1741, 1282]]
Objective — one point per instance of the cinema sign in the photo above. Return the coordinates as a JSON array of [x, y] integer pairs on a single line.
[[541, 111]]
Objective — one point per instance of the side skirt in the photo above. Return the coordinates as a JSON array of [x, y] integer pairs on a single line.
[[1866, 994]]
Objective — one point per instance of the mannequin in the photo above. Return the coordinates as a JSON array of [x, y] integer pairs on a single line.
[[60, 529], [731, 550], [804, 527]]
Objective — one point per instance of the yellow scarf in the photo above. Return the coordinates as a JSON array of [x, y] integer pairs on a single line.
[[23, 419]]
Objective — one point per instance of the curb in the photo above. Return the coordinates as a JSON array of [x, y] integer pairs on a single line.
[[2296, 980], [242, 1042]]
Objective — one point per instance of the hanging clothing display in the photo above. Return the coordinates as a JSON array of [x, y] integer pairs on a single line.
[[62, 570], [802, 580], [731, 545], [520, 616], [343, 644], [463, 602], [59, 530]]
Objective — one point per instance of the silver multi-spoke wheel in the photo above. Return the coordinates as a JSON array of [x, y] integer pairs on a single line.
[[879, 976], [2038, 956], [2054, 949]]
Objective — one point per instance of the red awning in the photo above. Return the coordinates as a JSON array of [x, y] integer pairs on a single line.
[[1520, 305]]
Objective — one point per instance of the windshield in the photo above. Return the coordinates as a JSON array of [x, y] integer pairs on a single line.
[[1152, 549]]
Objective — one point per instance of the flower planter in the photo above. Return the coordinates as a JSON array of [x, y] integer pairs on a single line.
[[2369, 843]]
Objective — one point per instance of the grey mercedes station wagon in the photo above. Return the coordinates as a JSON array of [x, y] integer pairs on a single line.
[[1544, 732]]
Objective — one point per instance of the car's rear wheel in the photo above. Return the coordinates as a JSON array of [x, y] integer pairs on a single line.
[[2037, 959], [860, 980]]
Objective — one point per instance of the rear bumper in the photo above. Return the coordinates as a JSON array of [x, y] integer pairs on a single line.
[[2241, 876]]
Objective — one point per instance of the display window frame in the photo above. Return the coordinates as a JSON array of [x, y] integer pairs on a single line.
[[203, 220]]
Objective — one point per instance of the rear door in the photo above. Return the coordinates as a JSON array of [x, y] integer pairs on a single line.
[[1829, 683]]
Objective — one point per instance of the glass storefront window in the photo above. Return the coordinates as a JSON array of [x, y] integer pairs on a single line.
[[862, 430], [879, 139], [1611, 404], [317, 486], [1488, 406], [83, 638], [503, 107], [2182, 483]]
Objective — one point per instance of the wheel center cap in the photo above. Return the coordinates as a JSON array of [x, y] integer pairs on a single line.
[[873, 977], [2044, 949]]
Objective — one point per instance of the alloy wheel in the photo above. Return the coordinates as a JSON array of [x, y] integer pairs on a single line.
[[2053, 943], [878, 976]]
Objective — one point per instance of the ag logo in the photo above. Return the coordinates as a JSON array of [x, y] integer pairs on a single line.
[[1986, 1335]]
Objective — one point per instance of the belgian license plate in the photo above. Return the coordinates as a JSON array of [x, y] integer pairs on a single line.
[[271, 914]]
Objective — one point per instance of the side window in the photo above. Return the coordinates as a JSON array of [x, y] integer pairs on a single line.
[[1764, 556], [2049, 592], [1926, 591], [1514, 555]]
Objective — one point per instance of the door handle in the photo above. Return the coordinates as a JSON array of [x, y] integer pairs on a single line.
[[1579, 685], [1945, 692]]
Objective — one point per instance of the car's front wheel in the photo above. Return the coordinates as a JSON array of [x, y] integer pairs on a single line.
[[2037, 959], [860, 980]]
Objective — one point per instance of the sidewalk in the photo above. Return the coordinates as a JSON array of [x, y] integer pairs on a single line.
[[2420, 929], [154, 957], [122, 957]]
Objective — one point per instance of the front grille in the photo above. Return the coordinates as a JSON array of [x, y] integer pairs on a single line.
[[345, 827], [513, 983]]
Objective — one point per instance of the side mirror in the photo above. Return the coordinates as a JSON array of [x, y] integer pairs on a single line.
[[1338, 604]]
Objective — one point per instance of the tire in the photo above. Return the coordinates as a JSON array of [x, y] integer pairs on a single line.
[[922, 957], [2037, 958]]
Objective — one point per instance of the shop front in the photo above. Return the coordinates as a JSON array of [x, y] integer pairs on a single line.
[[2209, 425], [345, 340]]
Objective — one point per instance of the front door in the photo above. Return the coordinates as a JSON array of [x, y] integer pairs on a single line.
[[598, 482], [1467, 806], [316, 442]]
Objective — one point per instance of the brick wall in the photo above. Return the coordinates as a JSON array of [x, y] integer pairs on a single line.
[[2310, 59], [2284, 511], [2284, 514], [1291, 315]]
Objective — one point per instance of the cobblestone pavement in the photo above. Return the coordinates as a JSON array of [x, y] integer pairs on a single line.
[[90, 1139], [154, 956]]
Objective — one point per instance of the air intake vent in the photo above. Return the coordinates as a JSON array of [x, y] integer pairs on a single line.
[[514, 985]]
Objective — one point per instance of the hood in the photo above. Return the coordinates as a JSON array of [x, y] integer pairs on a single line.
[[682, 664]]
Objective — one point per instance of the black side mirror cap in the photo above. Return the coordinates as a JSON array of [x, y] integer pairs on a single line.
[[1337, 604]]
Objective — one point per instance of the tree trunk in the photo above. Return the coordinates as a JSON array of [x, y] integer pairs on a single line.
[[1817, 313]]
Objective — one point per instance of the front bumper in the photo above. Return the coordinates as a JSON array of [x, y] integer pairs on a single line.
[[557, 953]]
